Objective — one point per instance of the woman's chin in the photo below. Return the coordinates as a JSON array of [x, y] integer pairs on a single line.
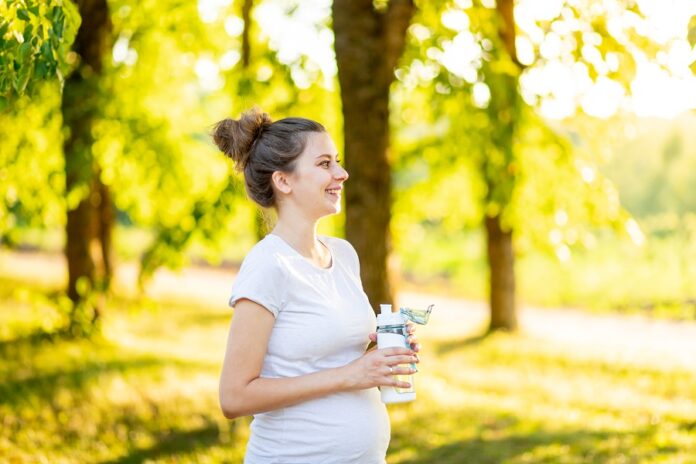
[[333, 209]]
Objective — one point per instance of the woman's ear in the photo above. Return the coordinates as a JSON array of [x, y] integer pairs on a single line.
[[281, 182]]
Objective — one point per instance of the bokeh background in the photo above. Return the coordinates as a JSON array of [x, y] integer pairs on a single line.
[[528, 166]]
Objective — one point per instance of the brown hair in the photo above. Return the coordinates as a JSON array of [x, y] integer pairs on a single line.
[[259, 147]]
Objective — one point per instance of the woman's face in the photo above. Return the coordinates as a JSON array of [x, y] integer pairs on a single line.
[[317, 182]]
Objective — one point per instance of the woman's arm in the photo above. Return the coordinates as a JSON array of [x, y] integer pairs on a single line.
[[244, 392]]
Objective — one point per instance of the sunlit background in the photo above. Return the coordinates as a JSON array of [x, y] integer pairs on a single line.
[[601, 205]]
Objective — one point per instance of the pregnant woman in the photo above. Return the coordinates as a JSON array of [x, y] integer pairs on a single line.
[[295, 356]]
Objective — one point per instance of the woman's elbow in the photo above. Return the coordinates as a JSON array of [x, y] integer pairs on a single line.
[[230, 413], [230, 405]]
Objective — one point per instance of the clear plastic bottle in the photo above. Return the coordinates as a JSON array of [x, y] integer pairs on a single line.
[[391, 331]]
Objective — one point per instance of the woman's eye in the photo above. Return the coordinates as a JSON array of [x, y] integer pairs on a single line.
[[325, 163]]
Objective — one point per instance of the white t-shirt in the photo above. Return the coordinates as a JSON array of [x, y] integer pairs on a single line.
[[323, 319]]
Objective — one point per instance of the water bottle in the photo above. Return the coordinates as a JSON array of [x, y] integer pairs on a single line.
[[392, 331]]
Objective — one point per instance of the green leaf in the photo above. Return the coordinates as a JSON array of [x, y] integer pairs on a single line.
[[22, 79], [41, 70], [34, 10], [58, 27], [47, 51], [22, 14], [57, 14], [24, 52]]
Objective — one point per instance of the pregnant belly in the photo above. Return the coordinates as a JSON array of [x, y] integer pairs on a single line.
[[342, 428]]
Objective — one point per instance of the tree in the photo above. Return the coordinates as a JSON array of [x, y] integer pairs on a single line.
[[369, 40], [531, 178], [90, 215], [499, 173]]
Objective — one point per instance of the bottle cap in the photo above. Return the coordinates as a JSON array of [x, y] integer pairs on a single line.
[[387, 317]]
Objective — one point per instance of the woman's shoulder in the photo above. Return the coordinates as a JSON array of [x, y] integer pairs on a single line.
[[343, 247], [265, 253], [339, 243]]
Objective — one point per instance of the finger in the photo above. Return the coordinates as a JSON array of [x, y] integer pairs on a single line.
[[410, 327], [373, 336], [396, 350], [401, 384], [412, 339], [401, 359], [402, 370], [413, 343]]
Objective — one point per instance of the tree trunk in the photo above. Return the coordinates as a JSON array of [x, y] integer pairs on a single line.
[[501, 259], [368, 45], [106, 223], [87, 223], [500, 173], [243, 90]]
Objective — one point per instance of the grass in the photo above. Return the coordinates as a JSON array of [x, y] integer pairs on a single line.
[[146, 391]]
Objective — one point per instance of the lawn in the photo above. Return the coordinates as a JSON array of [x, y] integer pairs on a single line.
[[146, 391]]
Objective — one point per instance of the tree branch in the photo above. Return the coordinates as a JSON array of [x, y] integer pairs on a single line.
[[246, 41], [506, 9], [395, 22]]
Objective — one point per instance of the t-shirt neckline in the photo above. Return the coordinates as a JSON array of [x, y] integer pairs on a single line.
[[304, 258]]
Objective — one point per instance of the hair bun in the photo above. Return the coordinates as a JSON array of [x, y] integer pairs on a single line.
[[236, 137]]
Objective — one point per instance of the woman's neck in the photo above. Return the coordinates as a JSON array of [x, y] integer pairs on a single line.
[[302, 236]]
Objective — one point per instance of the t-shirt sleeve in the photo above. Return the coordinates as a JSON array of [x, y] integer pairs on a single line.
[[261, 280]]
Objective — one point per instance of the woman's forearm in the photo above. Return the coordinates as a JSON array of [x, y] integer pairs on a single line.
[[265, 394]]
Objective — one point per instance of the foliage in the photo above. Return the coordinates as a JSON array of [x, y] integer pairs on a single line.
[[653, 167], [549, 187], [176, 182], [35, 37], [173, 71], [32, 178]]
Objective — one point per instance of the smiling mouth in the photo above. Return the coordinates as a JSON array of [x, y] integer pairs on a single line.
[[334, 192]]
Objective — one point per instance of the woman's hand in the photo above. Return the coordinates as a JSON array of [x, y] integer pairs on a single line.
[[412, 340], [378, 368]]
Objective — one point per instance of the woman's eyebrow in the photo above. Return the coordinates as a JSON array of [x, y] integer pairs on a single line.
[[326, 154]]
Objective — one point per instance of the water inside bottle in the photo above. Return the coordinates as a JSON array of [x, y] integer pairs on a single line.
[[418, 316]]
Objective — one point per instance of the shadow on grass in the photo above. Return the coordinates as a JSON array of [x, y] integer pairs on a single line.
[[541, 446], [25, 379], [172, 443], [44, 384], [504, 437], [448, 346], [7, 347]]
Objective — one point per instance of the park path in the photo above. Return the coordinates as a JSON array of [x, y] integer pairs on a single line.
[[634, 340]]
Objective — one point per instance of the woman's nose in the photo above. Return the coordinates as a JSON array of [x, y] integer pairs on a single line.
[[341, 173]]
